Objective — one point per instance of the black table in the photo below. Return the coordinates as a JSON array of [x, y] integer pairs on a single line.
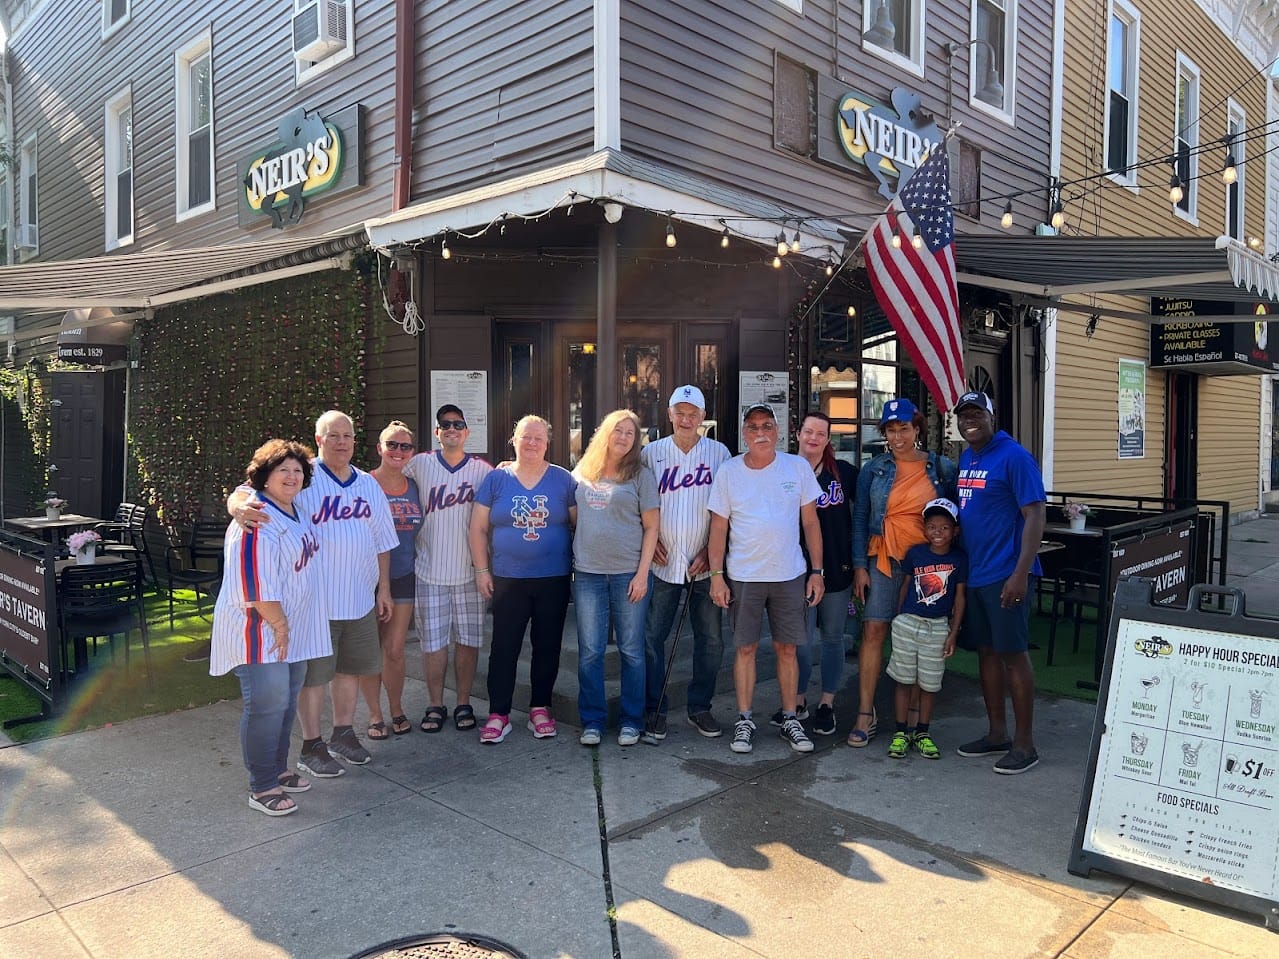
[[48, 529]]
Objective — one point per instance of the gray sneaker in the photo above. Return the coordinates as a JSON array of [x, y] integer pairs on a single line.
[[347, 745], [655, 726], [628, 736], [318, 763], [743, 736], [794, 734], [705, 724]]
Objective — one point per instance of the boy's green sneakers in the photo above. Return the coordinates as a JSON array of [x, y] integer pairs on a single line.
[[899, 745], [925, 746]]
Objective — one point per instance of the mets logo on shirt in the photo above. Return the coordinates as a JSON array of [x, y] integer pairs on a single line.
[[529, 518]]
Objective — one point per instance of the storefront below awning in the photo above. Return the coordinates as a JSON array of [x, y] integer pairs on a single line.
[[94, 337]]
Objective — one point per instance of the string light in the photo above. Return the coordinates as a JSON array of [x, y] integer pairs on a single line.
[[782, 247], [830, 268], [916, 241], [852, 311], [794, 243], [445, 252], [723, 239], [670, 234], [1058, 217], [1230, 174], [897, 239], [1006, 220], [777, 262]]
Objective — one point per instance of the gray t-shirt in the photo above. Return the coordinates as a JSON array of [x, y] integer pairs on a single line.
[[610, 531]]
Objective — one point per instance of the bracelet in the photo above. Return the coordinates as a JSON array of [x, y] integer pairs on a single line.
[[484, 570], [717, 572]]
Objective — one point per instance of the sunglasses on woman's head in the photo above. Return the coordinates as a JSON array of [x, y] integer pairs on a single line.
[[396, 445], [458, 425]]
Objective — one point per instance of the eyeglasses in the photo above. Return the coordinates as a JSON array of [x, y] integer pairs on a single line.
[[396, 445], [458, 425]]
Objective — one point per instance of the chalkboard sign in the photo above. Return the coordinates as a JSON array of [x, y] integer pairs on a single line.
[[28, 617], [1182, 789]]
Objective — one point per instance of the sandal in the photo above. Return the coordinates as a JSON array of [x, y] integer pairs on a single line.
[[464, 717], [860, 737], [540, 722], [377, 731], [433, 721], [273, 804], [496, 729], [401, 725], [293, 783]]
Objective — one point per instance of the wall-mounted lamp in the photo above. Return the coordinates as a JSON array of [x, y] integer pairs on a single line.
[[992, 88], [882, 31]]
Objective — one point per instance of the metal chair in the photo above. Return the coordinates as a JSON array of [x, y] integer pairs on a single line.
[[101, 601], [195, 565], [1074, 590], [127, 537]]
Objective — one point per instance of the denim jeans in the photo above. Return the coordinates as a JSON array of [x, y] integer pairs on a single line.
[[827, 618], [600, 599], [270, 692], [708, 642]]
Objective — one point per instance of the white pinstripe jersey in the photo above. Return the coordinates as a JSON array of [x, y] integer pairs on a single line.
[[355, 525], [446, 493], [684, 488]]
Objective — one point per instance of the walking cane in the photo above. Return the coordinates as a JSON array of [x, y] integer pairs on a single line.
[[647, 736]]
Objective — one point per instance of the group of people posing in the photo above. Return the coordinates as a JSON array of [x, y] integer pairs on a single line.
[[327, 566]]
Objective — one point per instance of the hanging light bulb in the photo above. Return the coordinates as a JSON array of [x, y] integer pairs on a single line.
[[794, 243], [852, 311], [917, 241], [897, 239], [1006, 220], [723, 239], [777, 263], [1175, 191], [1059, 216], [782, 247], [445, 252], [1231, 173], [830, 269], [670, 235]]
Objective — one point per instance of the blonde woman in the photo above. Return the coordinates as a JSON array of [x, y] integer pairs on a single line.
[[395, 446], [617, 527], [522, 546]]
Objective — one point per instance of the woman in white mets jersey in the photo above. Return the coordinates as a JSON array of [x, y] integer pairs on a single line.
[[268, 621]]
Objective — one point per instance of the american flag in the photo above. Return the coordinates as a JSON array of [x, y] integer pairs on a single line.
[[916, 287]]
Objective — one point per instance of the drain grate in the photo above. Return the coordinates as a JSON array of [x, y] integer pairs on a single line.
[[443, 945]]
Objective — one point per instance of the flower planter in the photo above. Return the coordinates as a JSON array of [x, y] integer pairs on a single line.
[[86, 556], [53, 513], [1078, 522]]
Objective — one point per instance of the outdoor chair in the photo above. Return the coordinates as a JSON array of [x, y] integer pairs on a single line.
[[195, 565], [127, 537], [1074, 591], [97, 602], [116, 530]]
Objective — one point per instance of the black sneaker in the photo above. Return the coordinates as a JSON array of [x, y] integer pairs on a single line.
[[318, 763], [824, 723], [1017, 762], [778, 718], [655, 726], [347, 745], [794, 734], [743, 736], [983, 747], [706, 724]]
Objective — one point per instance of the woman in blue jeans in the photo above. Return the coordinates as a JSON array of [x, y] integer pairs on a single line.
[[617, 526], [268, 621], [838, 481]]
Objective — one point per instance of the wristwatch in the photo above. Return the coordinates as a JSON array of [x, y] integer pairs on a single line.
[[818, 572]]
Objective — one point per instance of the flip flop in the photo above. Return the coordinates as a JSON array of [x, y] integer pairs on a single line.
[[401, 725], [377, 731]]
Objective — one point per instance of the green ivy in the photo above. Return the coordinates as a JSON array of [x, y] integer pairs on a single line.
[[25, 392], [221, 375]]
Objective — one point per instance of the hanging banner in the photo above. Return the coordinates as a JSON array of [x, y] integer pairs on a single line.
[[1132, 409]]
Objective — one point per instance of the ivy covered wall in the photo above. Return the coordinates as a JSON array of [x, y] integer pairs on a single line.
[[220, 375]]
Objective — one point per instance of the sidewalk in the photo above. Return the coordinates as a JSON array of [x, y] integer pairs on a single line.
[[136, 841]]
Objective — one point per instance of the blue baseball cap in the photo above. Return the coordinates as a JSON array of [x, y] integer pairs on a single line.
[[898, 411]]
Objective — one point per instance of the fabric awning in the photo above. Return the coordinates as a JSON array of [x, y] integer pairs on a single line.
[[1050, 268], [160, 277], [96, 337]]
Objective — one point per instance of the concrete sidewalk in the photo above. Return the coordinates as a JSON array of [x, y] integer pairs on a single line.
[[136, 841]]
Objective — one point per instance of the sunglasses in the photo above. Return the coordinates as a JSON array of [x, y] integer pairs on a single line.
[[396, 445], [453, 425]]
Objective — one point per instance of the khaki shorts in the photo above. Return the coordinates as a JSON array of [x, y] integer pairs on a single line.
[[356, 651]]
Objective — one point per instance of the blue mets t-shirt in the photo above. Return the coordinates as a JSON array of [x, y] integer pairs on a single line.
[[531, 534], [933, 578], [994, 484]]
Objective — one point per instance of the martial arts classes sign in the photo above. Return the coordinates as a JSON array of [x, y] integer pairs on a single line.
[[1183, 791]]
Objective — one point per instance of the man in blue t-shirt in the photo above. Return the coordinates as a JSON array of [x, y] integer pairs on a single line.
[[1001, 502]]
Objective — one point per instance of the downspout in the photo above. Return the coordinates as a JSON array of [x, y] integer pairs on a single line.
[[8, 126], [404, 41]]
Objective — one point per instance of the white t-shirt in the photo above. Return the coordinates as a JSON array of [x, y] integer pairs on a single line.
[[447, 494], [683, 488], [762, 508]]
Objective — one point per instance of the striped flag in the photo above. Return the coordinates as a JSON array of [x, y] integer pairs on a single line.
[[916, 287]]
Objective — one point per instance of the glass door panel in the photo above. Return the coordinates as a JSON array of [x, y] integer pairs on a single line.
[[582, 414]]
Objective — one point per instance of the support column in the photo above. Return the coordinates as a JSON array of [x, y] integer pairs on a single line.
[[606, 396]]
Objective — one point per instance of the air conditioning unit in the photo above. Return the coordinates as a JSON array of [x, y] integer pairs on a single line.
[[319, 30], [28, 237]]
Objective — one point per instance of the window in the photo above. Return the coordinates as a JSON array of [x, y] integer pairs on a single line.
[[1187, 137], [1235, 143], [118, 188], [323, 36], [894, 30], [194, 68], [27, 237], [115, 14], [1121, 92], [994, 55], [796, 5], [794, 107]]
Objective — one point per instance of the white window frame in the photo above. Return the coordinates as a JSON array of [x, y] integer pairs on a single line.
[[1186, 68], [305, 71], [796, 5], [182, 62], [912, 64], [28, 170], [108, 28], [1236, 148], [1007, 109], [1131, 17], [112, 168]]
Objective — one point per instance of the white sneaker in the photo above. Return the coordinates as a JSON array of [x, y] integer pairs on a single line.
[[628, 736], [794, 734], [743, 736], [590, 736]]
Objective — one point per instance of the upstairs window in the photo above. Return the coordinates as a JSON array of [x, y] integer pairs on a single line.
[[1187, 138], [894, 30], [115, 14], [1235, 145], [118, 188], [992, 70], [27, 236], [323, 35], [1121, 92], [194, 69]]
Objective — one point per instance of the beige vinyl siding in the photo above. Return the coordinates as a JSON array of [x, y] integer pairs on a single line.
[[1087, 406], [1229, 421]]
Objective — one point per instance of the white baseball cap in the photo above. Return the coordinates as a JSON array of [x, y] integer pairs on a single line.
[[688, 394], [943, 504]]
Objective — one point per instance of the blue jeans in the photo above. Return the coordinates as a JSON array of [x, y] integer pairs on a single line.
[[601, 599], [708, 643], [270, 692], [827, 618]]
